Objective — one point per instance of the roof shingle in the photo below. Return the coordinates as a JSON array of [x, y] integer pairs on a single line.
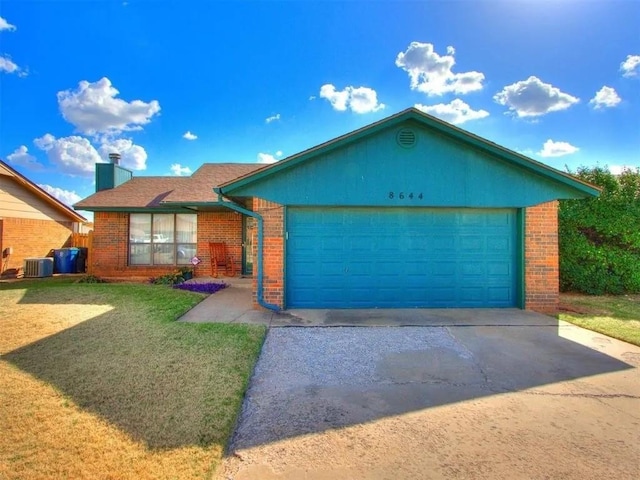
[[150, 192]]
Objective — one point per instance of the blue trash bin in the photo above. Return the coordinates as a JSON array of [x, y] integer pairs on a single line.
[[65, 260]]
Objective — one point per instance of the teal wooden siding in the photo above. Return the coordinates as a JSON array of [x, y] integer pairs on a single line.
[[109, 176], [437, 172], [401, 257]]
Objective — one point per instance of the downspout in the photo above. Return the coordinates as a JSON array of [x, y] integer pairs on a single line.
[[234, 206]]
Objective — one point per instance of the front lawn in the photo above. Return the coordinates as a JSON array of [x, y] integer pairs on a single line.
[[615, 316], [99, 381]]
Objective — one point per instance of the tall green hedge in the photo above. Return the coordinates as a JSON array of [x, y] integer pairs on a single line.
[[600, 237]]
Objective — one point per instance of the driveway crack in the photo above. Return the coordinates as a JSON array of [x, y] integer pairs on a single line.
[[473, 358]]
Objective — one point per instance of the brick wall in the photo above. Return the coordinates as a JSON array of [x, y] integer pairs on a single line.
[[219, 227], [109, 256], [541, 258], [273, 252], [32, 238]]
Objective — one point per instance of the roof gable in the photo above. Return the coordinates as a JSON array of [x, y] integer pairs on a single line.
[[34, 189], [445, 157]]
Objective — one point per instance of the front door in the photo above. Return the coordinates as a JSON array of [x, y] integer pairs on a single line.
[[248, 231]]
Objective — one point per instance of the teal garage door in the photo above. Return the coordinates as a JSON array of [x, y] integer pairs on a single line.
[[401, 257]]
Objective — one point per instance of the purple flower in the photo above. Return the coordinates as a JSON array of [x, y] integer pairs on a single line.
[[201, 287]]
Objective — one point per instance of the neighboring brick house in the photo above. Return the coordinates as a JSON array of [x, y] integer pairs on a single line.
[[407, 212], [32, 222]]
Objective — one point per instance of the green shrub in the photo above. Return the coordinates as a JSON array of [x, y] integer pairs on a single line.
[[91, 279], [173, 278], [600, 237]]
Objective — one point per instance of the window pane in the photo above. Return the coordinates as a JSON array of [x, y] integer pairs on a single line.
[[186, 251], [140, 228], [163, 254], [186, 228], [163, 228], [139, 254]]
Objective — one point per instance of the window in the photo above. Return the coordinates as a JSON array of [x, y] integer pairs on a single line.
[[162, 238]]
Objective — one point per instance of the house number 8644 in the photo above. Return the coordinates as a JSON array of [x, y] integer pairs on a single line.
[[403, 195]]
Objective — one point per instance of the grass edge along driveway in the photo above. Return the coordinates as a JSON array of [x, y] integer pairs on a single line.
[[99, 381], [615, 316]]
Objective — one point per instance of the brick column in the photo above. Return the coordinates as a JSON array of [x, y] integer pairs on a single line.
[[542, 282], [109, 245], [273, 253]]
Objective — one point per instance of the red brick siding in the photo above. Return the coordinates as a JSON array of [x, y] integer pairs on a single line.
[[109, 256], [219, 227], [541, 258], [32, 238], [273, 252], [109, 252]]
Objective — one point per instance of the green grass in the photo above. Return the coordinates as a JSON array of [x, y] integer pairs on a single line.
[[615, 316], [115, 351]]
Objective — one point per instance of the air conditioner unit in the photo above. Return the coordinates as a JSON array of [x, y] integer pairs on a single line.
[[38, 267]]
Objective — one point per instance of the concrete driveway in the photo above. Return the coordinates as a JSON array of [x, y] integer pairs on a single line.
[[510, 395]]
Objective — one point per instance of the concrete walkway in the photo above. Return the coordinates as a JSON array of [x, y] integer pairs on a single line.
[[229, 305]]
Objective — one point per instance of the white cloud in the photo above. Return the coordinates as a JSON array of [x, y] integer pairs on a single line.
[[93, 108], [557, 149], [179, 170], [618, 169], [68, 197], [8, 66], [22, 158], [455, 112], [312, 97], [4, 25], [76, 156], [269, 158], [359, 100], [272, 118], [532, 98], [190, 136], [605, 97], [431, 73], [133, 156], [631, 66], [72, 155]]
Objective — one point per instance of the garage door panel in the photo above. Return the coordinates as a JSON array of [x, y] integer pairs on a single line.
[[400, 257]]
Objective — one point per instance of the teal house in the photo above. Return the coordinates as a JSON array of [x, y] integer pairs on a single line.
[[407, 212]]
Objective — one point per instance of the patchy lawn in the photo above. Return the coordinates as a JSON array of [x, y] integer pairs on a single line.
[[615, 316], [99, 381]]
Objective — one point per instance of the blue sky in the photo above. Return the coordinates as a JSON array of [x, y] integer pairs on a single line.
[[174, 84]]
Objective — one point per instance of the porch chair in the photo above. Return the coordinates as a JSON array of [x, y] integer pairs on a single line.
[[220, 259]]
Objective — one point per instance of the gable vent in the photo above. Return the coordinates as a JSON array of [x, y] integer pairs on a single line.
[[406, 138]]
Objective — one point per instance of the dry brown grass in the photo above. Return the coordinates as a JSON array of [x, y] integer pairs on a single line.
[[97, 381]]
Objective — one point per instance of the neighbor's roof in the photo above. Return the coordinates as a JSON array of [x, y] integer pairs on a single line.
[[429, 121], [39, 192], [159, 192]]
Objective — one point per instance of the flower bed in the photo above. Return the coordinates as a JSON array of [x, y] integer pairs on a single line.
[[201, 287]]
